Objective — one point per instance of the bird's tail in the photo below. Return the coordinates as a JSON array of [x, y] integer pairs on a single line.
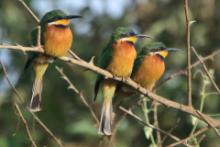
[[39, 70], [106, 114]]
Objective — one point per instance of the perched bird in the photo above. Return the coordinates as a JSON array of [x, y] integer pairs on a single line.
[[149, 65], [56, 39], [118, 58]]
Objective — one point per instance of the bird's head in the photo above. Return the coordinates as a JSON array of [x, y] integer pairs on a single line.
[[127, 35], [57, 18], [158, 48]]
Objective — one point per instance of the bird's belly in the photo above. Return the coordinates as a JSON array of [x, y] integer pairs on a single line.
[[122, 62], [149, 72], [57, 41]]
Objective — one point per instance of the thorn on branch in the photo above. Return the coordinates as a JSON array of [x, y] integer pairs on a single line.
[[91, 61], [192, 22]]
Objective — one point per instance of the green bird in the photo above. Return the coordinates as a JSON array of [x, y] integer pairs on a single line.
[[57, 39], [149, 65], [118, 58]]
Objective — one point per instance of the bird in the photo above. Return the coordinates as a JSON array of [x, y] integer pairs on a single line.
[[149, 65], [56, 39], [117, 58]]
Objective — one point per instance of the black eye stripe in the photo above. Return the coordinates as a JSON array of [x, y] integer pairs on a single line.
[[128, 34], [158, 49], [132, 33]]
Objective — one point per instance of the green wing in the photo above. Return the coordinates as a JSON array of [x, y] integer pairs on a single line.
[[139, 60], [33, 55], [104, 60]]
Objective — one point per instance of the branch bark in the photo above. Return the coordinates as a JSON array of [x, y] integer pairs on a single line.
[[165, 101]]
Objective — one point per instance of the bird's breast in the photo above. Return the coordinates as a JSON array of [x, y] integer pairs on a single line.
[[150, 70], [57, 41], [122, 60]]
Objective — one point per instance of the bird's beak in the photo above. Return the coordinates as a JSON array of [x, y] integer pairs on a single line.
[[72, 16], [173, 49], [143, 36]]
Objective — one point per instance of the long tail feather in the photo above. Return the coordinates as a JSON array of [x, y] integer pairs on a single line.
[[36, 96], [106, 119], [39, 70], [109, 87]]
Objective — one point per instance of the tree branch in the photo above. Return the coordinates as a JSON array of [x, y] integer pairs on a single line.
[[189, 77], [184, 72], [131, 83], [206, 71], [19, 113], [73, 88], [130, 113], [29, 10]]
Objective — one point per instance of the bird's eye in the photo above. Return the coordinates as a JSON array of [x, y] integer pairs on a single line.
[[162, 48], [132, 33]]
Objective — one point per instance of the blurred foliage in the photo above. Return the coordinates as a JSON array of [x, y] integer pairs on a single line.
[[63, 111]]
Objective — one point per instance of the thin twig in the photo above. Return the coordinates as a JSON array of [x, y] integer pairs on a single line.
[[25, 124], [206, 71], [209, 122], [156, 124], [201, 131], [72, 87], [171, 130], [19, 113], [74, 55], [201, 138], [35, 117], [29, 10], [184, 72], [145, 110], [129, 112], [39, 36], [23, 48], [189, 77], [58, 141]]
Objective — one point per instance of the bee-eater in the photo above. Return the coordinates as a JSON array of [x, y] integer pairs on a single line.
[[149, 65], [118, 58], [56, 39]]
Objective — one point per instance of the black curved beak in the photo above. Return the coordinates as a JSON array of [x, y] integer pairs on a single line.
[[174, 49], [143, 36], [72, 16]]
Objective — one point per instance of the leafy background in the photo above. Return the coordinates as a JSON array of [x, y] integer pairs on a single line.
[[63, 111]]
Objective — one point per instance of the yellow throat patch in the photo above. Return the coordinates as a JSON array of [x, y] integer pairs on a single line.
[[132, 39], [64, 22]]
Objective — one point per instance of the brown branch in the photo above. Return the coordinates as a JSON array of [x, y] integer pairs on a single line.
[[58, 141], [19, 113], [73, 88], [29, 10], [22, 48], [189, 77], [156, 124], [35, 117], [206, 71], [209, 122], [201, 131], [171, 130], [130, 113], [131, 83]]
